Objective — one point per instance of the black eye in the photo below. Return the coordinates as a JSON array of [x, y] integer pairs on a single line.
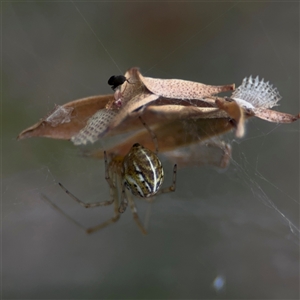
[[116, 81]]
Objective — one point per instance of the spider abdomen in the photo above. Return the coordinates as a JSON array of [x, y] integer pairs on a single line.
[[143, 173]]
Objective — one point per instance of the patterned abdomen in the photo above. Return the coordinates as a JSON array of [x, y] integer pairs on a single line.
[[142, 171]]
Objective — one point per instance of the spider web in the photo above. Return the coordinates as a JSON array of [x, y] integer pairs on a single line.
[[259, 189]]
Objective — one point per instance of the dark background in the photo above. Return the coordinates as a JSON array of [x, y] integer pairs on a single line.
[[233, 224]]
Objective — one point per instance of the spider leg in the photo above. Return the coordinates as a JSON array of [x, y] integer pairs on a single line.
[[114, 198], [84, 204], [172, 187], [107, 177], [124, 201], [100, 203], [135, 214], [114, 219], [151, 132], [62, 212]]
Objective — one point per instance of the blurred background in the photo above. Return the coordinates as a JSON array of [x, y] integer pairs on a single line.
[[235, 225]]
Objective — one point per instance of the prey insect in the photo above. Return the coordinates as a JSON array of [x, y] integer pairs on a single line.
[[140, 173], [116, 80]]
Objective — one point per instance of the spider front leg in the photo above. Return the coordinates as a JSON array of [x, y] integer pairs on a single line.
[[100, 203], [114, 219], [114, 198]]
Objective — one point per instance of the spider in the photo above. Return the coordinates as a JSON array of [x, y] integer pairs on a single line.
[[139, 173]]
